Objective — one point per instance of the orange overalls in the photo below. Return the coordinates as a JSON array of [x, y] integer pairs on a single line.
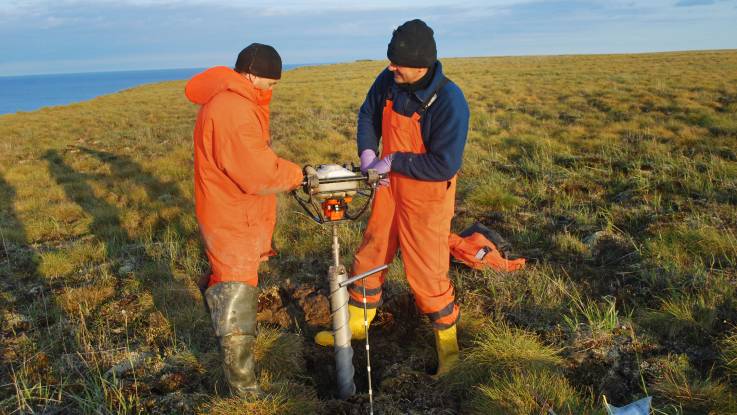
[[413, 215], [237, 174]]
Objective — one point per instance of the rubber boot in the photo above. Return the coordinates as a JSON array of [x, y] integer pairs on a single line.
[[239, 365], [355, 322], [233, 308], [446, 344]]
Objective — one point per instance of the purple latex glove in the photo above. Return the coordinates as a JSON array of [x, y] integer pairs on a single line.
[[368, 157], [383, 166]]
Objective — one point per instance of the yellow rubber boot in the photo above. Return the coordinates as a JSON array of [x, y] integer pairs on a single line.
[[355, 322], [446, 343]]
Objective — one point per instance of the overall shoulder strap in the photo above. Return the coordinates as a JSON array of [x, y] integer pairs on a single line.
[[431, 99]]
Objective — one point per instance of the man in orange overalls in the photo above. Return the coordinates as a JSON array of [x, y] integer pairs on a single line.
[[236, 177], [421, 119]]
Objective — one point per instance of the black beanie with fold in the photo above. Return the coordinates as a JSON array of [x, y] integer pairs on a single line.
[[260, 60], [413, 45]]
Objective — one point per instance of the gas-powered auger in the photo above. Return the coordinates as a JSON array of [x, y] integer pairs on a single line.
[[329, 190]]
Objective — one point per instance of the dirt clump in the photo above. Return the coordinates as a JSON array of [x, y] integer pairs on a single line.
[[612, 364], [290, 305]]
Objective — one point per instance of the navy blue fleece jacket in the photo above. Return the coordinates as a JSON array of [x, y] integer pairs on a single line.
[[444, 125]]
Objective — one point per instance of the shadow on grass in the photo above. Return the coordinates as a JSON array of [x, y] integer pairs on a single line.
[[122, 168], [30, 329], [132, 256]]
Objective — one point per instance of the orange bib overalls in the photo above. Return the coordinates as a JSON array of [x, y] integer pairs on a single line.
[[414, 216]]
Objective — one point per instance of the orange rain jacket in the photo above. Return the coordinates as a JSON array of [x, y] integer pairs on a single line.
[[236, 173], [478, 252]]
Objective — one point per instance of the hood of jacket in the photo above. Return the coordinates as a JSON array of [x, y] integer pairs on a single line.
[[206, 85]]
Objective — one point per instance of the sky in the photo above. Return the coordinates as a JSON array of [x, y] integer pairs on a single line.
[[63, 36]]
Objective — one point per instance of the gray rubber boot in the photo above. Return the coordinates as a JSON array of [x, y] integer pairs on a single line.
[[233, 308]]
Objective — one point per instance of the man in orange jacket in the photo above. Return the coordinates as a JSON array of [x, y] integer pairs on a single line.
[[236, 177], [420, 118]]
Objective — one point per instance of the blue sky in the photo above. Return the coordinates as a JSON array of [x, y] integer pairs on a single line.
[[45, 36]]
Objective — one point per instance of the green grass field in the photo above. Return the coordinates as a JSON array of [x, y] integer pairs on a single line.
[[616, 176]]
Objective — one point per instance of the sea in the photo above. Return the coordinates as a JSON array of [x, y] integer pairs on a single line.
[[31, 92]]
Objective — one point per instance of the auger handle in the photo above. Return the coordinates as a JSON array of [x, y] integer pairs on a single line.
[[355, 278]]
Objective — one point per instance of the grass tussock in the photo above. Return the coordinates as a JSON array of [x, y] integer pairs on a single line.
[[683, 315], [690, 393], [528, 393], [509, 371], [279, 354], [501, 348], [285, 398]]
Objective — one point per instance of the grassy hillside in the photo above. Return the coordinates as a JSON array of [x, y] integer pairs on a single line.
[[615, 175]]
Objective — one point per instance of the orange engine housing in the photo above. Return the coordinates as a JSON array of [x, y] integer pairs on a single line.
[[334, 209]]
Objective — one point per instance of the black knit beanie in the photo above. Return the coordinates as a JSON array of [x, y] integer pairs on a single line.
[[260, 60], [413, 45]]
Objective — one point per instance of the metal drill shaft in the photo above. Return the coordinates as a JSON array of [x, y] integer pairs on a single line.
[[341, 329]]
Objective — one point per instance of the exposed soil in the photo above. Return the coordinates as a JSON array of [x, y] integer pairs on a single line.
[[611, 365], [402, 352]]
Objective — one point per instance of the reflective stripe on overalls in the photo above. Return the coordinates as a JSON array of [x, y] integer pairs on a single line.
[[414, 216]]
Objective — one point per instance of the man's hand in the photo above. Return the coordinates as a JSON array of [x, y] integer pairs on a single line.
[[310, 180], [383, 166], [368, 157]]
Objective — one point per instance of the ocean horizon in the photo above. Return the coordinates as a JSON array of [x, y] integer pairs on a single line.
[[25, 93]]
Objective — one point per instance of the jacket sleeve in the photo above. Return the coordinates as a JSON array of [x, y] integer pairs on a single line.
[[447, 138], [369, 116], [250, 162]]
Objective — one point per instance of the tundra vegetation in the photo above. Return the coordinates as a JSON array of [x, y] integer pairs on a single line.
[[616, 176]]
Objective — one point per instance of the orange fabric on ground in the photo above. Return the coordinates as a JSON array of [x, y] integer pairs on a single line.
[[236, 173], [467, 249], [413, 215]]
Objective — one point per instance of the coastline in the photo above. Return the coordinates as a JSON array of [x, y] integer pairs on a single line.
[[28, 93]]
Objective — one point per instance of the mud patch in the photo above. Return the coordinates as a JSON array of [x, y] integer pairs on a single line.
[[612, 365], [291, 306], [609, 249]]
